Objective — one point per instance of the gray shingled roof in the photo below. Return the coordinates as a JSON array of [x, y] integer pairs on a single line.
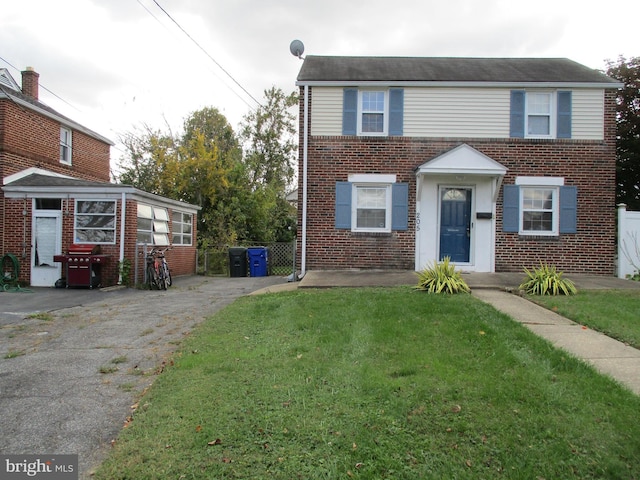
[[448, 69], [38, 180]]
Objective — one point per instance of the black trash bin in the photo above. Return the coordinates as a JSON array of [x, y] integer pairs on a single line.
[[258, 261], [237, 262]]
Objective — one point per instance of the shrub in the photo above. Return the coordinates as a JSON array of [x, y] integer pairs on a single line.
[[546, 280], [441, 278]]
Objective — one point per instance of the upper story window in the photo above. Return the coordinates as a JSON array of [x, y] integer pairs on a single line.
[[95, 221], [539, 118], [65, 145], [181, 230], [372, 112], [540, 114]]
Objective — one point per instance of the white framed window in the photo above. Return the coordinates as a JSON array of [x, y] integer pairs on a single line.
[[540, 115], [153, 225], [95, 221], [373, 112], [539, 205], [181, 228], [539, 211], [371, 207], [65, 146]]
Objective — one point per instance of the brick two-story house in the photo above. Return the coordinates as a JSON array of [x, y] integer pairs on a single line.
[[497, 163], [56, 193]]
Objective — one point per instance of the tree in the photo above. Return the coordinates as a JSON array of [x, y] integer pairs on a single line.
[[197, 167], [628, 130], [149, 166], [268, 134], [241, 199]]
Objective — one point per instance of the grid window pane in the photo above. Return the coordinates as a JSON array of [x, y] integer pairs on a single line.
[[538, 209], [373, 122], [181, 228], [373, 101], [537, 221], [372, 111]]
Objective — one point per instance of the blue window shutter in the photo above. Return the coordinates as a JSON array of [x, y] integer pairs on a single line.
[[396, 111], [564, 115], [343, 205], [400, 206], [350, 111], [516, 124], [511, 208], [568, 209]]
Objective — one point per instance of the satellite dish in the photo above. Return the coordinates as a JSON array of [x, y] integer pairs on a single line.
[[297, 48]]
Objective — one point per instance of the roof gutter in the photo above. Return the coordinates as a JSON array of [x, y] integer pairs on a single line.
[[456, 84]]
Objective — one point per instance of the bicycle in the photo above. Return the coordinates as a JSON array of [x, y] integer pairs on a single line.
[[158, 272]]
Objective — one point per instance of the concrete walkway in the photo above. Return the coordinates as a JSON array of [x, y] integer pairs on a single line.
[[610, 357]]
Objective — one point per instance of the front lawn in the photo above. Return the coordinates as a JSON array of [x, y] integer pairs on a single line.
[[374, 384], [615, 313]]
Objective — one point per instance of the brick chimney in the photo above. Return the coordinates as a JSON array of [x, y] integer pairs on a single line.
[[30, 82]]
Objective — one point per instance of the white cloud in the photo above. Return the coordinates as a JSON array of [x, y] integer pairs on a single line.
[[122, 63]]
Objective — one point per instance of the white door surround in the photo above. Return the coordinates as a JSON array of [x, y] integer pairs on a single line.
[[466, 168], [46, 241]]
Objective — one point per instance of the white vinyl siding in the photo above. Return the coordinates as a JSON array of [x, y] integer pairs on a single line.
[[327, 111], [440, 112], [587, 120], [456, 112]]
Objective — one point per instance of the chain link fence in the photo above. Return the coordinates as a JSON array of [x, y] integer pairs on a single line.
[[281, 259]]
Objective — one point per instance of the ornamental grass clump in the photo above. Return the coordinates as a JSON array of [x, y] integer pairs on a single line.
[[441, 278], [546, 280]]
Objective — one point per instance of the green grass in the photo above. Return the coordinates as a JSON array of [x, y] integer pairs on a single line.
[[375, 384], [613, 312], [44, 316], [14, 354]]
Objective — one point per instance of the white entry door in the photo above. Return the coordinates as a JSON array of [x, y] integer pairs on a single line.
[[46, 242]]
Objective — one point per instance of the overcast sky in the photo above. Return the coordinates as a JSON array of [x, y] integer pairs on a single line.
[[117, 64]]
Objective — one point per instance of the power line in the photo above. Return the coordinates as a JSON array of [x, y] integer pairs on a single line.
[[207, 53], [43, 87]]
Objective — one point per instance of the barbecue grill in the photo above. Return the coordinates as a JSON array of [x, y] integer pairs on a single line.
[[83, 264]]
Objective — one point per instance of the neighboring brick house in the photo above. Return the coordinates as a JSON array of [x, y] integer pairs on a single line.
[[498, 164], [56, 192]]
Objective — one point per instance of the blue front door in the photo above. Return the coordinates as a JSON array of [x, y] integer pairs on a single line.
[[455, 223]]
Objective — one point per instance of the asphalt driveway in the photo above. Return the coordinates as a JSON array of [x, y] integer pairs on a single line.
[[73, 361]]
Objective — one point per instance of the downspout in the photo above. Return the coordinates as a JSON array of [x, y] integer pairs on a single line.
[[123, 216], [305, 146]]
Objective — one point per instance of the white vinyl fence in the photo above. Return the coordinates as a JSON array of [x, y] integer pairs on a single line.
[[628, 242]]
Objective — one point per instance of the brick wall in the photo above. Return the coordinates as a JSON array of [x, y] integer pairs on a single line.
[[28, 139], [17, 235], [589, 165]]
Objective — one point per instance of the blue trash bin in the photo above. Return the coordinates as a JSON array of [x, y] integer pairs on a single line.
[[258, 261]]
